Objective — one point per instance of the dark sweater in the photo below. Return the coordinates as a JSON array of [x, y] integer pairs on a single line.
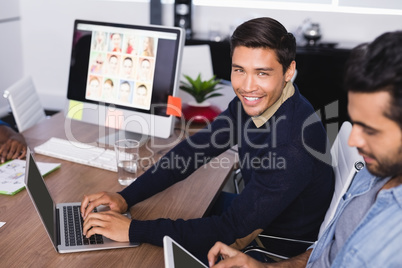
[[287, 190]]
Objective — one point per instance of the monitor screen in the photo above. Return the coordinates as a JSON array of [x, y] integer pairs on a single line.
[[121, 76]]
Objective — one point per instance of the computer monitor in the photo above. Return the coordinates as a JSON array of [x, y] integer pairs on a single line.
[[124, 76]]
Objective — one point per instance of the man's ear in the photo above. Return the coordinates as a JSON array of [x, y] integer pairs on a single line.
[[290, 71]]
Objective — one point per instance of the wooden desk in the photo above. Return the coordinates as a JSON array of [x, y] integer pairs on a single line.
[[24, 242]]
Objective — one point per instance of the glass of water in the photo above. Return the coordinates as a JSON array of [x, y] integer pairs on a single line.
[[127, 156]]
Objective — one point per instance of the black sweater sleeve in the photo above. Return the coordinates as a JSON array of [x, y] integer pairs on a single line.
[[183, 159]]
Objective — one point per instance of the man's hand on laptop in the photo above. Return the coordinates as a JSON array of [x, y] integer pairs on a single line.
[[109, 223], [113, 200]]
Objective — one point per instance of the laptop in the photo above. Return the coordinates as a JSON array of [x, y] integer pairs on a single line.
[[178, 257], [65, 234]]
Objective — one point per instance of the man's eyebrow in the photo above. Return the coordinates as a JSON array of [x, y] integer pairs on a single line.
[[363, 125], [267, 69]]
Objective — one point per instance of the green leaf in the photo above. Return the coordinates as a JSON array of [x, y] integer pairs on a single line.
[[201, 89]]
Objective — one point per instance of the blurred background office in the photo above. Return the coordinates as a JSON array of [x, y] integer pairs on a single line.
[[37, 34]]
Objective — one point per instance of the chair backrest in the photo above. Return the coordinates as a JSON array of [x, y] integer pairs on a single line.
[[197, 60], [294, 76], [25, 103], [346, 162]]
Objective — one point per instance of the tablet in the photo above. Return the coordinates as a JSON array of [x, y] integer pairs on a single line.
[[178, 257]]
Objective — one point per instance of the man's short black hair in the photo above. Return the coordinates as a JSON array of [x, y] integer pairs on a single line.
[[266, 33], [377, 66]]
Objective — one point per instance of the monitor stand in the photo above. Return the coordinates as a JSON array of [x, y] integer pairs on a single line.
[[109, 140]]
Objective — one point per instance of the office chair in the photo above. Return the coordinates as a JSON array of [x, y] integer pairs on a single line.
[[346, 162], [25, 103], [294, 76], [196, 60]]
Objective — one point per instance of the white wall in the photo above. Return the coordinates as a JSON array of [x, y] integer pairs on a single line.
[[11, 64], [47, 31]]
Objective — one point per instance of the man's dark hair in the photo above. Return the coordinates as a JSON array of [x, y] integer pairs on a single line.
[[266, 33], [377, 66]]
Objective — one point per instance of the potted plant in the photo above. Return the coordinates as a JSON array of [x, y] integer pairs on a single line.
[[200, 111]]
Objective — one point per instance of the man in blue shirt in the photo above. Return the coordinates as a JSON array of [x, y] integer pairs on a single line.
[[12, 144], [366, 230]]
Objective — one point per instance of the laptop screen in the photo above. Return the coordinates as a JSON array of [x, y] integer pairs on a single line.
[[182, 259], [40, 196], [178, 257]]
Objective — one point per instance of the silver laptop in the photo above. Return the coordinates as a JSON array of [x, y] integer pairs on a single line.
[[65, 233]]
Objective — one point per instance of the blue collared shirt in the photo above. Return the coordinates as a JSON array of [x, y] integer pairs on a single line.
[[377, 240], [3, 123]]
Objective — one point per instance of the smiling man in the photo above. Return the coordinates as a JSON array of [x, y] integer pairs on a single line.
[[258, 79], [287, 190]]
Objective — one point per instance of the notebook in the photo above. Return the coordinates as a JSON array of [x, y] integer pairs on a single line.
[[53, 217], [178, 257], [12, 175]]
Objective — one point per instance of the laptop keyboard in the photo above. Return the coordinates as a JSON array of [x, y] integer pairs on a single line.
[[73, 228]]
